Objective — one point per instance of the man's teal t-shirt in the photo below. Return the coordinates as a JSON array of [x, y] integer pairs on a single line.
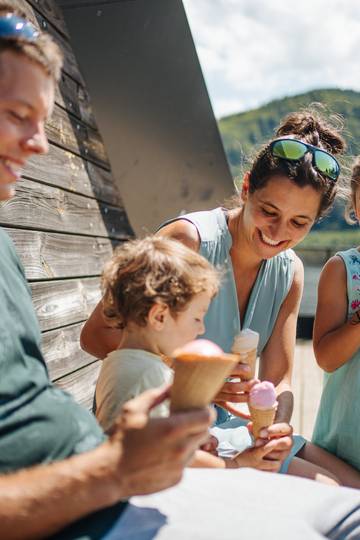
[[39, 423]]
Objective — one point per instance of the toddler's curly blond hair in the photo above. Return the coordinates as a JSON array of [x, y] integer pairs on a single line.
[[153, 270]]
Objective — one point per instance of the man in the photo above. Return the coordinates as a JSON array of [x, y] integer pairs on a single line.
[[39, 424]]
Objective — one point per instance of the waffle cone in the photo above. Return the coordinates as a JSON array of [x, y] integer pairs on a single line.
[[248, 357], [261, 418], [197, 379]]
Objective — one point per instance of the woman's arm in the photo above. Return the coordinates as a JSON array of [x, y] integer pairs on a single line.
[[276, 361], [184, 231], [99, 339], [336, 339]]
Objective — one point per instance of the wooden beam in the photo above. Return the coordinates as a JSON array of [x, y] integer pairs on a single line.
[[52, 255], [70, 133], [64, 169], [61, 303], [62, 351], [52, 12], [81, 384], [42, 207]]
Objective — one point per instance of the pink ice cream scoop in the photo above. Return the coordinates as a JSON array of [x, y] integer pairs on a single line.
[[203, 347], [263, 395]]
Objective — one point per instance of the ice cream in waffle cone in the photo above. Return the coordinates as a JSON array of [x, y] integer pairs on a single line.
[[200, 368], [262, 406], [245, 345]]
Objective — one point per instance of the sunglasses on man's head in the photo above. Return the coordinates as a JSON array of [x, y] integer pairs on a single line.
[[14, 27], [294, 150]]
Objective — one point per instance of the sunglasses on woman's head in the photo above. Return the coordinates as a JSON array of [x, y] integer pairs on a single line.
[[14, 27], [294, 150]]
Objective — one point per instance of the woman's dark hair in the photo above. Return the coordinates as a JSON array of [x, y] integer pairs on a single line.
[[310, 126]]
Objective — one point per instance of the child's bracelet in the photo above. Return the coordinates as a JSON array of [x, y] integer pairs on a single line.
[[357, 320]]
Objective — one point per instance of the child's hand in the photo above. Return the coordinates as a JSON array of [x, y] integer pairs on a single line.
[[264, 456], [210, 445]]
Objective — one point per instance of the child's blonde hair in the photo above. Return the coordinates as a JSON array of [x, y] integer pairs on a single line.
[[153, 270]]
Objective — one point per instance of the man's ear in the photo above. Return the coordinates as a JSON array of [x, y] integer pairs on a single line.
[[245, 187], [157, 315]]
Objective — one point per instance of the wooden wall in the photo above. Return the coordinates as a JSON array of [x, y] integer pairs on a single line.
[[65, 219]]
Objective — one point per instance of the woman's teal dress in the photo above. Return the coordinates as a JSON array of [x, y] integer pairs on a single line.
[[337, 423], [223, 320]]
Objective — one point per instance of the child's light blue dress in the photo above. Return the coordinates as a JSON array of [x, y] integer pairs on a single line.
[[337, 427], [223, 320]]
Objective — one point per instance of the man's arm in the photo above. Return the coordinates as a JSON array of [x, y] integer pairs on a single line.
[[141, 456]]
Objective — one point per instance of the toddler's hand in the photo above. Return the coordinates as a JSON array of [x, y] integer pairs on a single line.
[[210, 445]]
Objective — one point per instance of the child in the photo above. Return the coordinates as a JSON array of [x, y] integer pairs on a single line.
[[158, 292], [337, 348]]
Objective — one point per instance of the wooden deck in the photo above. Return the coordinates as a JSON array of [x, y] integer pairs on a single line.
[[307, 385]]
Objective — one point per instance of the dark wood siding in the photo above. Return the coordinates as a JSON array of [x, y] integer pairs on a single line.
[[66, 218]]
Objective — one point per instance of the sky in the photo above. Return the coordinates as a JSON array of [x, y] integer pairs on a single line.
[[254, 51]]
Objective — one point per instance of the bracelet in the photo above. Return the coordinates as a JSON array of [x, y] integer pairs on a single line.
[[357, 321]]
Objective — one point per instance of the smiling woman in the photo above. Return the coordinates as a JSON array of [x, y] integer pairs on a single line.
[[281, 198]]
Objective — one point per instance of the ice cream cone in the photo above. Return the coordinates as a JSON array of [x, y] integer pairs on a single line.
[[245, 345], [199, 376], [261, 418]]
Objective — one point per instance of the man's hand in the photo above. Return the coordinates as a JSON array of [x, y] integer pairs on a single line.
[[236, 391], [152, 453]]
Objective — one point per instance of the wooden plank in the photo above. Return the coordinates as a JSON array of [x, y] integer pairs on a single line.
[[42, 207], [75, 99], [64, 169], [52, 12], [69, 94], [81, 384], [62, 351], [70, 64], [52, 255], [70, 133], [61, 303]]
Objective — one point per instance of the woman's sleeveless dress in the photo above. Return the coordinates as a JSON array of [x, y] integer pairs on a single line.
[[337, 423]]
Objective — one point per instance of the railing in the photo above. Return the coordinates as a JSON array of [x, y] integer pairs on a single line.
[[312, 256]]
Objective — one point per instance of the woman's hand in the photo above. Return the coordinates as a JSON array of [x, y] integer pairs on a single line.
[[264, 456], [236, 391]]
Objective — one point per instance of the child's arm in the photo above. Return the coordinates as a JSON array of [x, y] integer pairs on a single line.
[[254, 457], [336, 339]]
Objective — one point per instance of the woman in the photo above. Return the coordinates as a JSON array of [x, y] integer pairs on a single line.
[[292, 183]]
